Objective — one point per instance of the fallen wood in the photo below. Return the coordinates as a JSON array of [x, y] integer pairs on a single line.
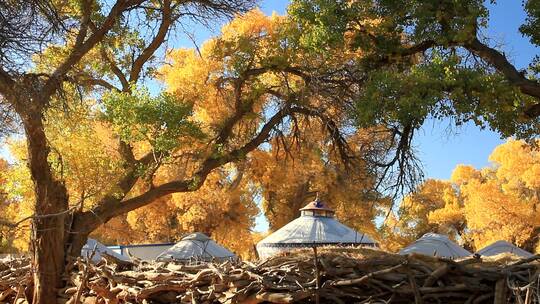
[[345, 276]]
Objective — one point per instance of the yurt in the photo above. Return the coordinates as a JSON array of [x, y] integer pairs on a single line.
[[434, 244], [196, 247], [503, 247], [316, 226], [92, 244]]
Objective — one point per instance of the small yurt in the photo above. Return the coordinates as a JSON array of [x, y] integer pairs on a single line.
[[315, 227], [92, 244], [503, 247], [434, 244], [196, 247]]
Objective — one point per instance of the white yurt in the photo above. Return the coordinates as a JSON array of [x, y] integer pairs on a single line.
[[503, 247], [196, 247], [92, 244], [434, 244], [316, 226]]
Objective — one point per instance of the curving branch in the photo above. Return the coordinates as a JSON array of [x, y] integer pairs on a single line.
[[115, 70], [515, 77], [54, 82], [167, 20], [111, 207], [97, 82]]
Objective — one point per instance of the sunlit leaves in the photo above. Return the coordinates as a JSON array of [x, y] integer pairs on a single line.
[[162, 120], [413, 217], [12, 239], [440, 89], [531, 27], [290, 177]]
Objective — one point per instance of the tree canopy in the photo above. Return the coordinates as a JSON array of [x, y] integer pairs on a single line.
[[427, 59], [250, 88]]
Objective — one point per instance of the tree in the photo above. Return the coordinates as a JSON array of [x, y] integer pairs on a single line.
[[416, 214], [243, 88], [502, 202], [10, 238], [221, 208], [253, 83], [483, 206], [426, 60]]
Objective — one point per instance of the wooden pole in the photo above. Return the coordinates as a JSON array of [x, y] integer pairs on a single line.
[[317, 277], [501, 292]]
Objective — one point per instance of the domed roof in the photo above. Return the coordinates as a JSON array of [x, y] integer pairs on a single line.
[[311, 229], [502, 247], [196, 246], [99, 248], [434, 244], [196, 236]]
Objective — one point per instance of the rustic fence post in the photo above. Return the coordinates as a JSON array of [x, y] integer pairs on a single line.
[[317, 276]]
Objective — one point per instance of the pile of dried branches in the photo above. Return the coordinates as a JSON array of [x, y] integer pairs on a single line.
[[340, 276], [15, 279]]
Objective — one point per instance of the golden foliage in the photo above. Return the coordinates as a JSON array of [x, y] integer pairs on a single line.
[[499, 202], [256, 51], [290, 175], [221, 208], [416, 214]]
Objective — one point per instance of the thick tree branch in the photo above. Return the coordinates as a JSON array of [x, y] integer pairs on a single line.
[[54, 82], [516, 78], [98, 82], [244, 107], [156, 42], [86, 10], [111, 208], [6, 83], [115, 69]]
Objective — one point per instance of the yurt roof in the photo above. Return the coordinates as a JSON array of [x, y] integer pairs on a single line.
[[88, 248], [197, 246], [434, 244], [310, 230], [503, 247], [314, 228]]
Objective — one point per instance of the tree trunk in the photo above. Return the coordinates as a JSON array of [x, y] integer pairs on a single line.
[[81, 227], [48, 251], [51, 205]]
